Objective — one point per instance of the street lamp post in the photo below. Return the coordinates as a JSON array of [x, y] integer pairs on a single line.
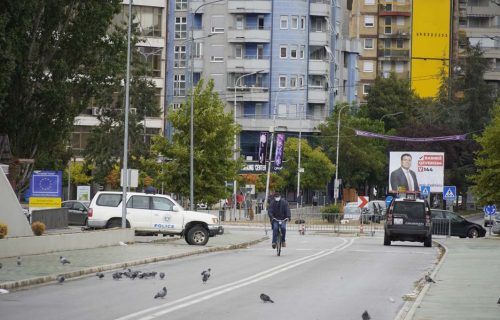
[[191, 126], [336, 183], [235, 190], [298, 161]]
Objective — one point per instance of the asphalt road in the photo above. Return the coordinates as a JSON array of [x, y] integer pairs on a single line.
[[317, 277]]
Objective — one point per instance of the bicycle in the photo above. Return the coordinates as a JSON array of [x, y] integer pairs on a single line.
[[278, 240]]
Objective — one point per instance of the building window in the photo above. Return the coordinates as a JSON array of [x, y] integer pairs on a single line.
[[399, 67], [238, 51], [294, 21], [181, 5], [369, 21], [180, 28], [284, 22], [368, 66], [302, 52], [218, 23], [147, 19], [302, 23], [179, 85], [366, 89], [180, 57], [198, 50], [176, 106], [300, 81], [399, 43], [369, 2], [388, 25], [218, 53], [400, 20], [293, 81], [283, 52], [282, 81], [293, 52], [282, 110], [239, 22], [368, 43], [151, 57]]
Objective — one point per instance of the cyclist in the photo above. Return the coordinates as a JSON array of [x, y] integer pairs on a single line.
[[278, 209]]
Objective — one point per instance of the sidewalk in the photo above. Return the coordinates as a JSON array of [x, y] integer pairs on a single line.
[[36, 269], [466, 283]]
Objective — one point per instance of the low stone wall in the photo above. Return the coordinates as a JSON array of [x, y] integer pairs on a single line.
[[21, 246], [52, 218]]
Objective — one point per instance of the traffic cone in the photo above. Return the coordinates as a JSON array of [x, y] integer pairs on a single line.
[[361, 228]]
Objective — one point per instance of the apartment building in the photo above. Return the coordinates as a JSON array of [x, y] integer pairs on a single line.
[[280, 63], [479, 22], [151, 17]]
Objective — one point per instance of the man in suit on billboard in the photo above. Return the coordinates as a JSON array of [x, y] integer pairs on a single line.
[[404, 179]]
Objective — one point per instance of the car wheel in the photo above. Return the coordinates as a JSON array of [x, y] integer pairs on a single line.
[[116, 223], [473, 233], [198, 236], [187, 238], [387, 240], [428, 242]]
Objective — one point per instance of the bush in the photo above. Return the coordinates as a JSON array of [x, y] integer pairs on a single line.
[[330, 213], [3, 230], [38, 228]]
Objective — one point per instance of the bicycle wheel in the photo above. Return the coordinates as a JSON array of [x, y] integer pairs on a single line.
[[278, 244]]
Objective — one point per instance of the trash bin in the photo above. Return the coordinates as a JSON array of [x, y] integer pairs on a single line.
[[222, 215]]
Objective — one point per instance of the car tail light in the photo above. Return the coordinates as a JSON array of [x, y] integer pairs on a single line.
[[90, 212], [389, 217], [427, 220]]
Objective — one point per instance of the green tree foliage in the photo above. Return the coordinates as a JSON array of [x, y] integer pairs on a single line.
[[362, 161], [318, 169], [487, 178], [213, 147], [54, 58]]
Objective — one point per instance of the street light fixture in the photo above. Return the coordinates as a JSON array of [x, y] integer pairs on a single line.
[[391, 114], [236, 137], [191, 127], [336, 183]]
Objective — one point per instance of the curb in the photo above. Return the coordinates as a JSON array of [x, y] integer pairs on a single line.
[[408, 310], [13, 285]]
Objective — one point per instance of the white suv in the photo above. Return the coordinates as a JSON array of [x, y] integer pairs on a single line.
[[152, 213]]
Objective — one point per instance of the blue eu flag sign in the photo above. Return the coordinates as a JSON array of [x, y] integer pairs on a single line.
[[46, 184]]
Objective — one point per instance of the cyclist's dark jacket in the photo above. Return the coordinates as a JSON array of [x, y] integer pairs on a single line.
[[279, 210]]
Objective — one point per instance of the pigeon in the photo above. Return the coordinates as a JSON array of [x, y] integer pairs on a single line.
[[117, 275], [205, 275], [19, 261], [63, 260], [60, 279], [365, 316], [498, 302], [162, 275], [264, 297], [122, 243], [4, 291], [161, 294], [429, 279], [100, 275]]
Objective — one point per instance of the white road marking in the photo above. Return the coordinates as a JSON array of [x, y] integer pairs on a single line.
[[169, 307]]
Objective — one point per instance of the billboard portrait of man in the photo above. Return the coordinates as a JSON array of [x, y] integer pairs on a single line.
[[403, 178], [262, 148]]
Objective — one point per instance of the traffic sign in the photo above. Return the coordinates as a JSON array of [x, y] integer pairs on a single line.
[[425, 190], [490, 210], [388, 201], [362, 201], [449, 192], [46, 184]]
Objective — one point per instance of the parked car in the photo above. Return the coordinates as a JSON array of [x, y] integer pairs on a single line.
[[408, 219], [374, 211], [152, 214], [496, 225], [77, 212], [490, 220], [352, 211], [449, 223]]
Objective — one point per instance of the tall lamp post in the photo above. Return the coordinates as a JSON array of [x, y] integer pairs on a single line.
[[299, 169], [336, 183], [191, 126], [235, 190], [125, 177]]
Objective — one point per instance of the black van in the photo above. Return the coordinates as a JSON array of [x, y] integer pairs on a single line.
[[408, 220]]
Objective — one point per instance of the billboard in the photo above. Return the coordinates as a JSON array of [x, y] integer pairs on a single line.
[[46, 184], [430, 45], [408, 170]]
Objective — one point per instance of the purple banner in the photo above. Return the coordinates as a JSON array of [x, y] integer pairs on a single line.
[[263, 148], [428, 139], [280, 143]]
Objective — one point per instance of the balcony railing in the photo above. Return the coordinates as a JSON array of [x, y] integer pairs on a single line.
[[394, 53]]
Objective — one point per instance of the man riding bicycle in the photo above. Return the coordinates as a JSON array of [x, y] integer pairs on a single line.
[[279, 210]]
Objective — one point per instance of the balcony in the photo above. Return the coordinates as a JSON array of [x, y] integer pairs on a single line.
[[320, 8], [287, 124], [253, 93], [317, 95], [401, 33], [248, 64], [394, 9], [259, 6], [248, 35], [318, 66], [318, 38], [394, 54], [479, 11]]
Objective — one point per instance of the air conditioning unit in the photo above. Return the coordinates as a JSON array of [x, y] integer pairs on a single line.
[[133, 111], [96, 111]]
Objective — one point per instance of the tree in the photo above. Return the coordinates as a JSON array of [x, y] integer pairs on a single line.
[[318, 169], [56, 57], [487, 179], [214, 132], [362, 161]]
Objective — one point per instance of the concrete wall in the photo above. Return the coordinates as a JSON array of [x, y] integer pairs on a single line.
[[21, 246], [11, 212], [52, 218]]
